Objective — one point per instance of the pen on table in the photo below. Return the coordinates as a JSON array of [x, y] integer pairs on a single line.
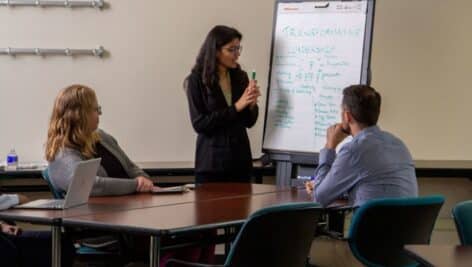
[[307, 178]]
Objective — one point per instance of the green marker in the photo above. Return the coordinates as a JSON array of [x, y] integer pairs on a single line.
[[253, 76]]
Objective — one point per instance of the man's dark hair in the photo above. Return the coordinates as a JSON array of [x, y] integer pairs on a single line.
[[363, 102]]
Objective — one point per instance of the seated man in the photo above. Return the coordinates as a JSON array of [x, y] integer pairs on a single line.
[[30, 248], [375, 164]]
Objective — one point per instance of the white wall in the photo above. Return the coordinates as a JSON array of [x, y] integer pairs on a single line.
[[421, 61], [422, 66]]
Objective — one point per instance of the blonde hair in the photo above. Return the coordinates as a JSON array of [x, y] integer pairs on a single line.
[[68, 127]]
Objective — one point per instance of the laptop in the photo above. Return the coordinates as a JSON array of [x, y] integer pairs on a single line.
[[78, 192]]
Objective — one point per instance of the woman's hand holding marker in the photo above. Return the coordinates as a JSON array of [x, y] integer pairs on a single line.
[[253, 90]]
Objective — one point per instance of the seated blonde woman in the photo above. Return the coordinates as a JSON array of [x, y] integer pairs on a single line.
[[74, 136]]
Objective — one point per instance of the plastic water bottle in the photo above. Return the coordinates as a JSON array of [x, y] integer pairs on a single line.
[[12, 160]]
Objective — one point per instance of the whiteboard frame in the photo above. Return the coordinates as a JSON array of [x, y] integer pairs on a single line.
[[298, 157]]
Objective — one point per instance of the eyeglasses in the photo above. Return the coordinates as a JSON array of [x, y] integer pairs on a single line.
[[234, 49], [98, 109]]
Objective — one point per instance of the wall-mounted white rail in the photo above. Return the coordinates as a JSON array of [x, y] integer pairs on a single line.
[[52, 3], [98, 52]]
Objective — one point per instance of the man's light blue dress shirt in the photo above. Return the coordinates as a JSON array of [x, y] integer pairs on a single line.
[[375, 164]]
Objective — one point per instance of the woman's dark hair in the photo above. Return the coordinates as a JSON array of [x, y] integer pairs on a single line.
[[363, 102], [206, 64]]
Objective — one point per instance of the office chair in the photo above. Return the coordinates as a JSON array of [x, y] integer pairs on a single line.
[[462, 214], [55, 193], [277, 236], [88, 253], [380, 228]]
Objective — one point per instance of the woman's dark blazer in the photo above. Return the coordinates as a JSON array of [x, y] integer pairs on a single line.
[[222, 142]]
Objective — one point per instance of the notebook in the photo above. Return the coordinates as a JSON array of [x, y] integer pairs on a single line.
[[78, 192]]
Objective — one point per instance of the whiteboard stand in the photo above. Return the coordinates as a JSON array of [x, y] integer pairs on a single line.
[[318, 48], [290, 166], [283, 173]]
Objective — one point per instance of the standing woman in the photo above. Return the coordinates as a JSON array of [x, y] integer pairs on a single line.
[[222, 103]]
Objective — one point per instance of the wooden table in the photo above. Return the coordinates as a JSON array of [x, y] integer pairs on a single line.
[[126, 206], [173, 219], [441, 255]]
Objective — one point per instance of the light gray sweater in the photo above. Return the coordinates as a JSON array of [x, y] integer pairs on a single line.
[[62, 167]]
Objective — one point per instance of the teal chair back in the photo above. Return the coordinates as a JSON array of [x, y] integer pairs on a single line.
[[462, 213], [380, 228], [277, 236], [56, 193], [81, 250]]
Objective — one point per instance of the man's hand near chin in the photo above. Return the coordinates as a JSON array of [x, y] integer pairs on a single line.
[[334, 136]]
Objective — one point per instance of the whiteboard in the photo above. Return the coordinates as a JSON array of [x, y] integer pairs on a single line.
[[318, 49]]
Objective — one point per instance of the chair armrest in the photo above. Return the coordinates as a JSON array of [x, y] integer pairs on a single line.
[[192, 263]]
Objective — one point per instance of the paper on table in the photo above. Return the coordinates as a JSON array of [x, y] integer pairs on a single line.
[[173, 189]]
